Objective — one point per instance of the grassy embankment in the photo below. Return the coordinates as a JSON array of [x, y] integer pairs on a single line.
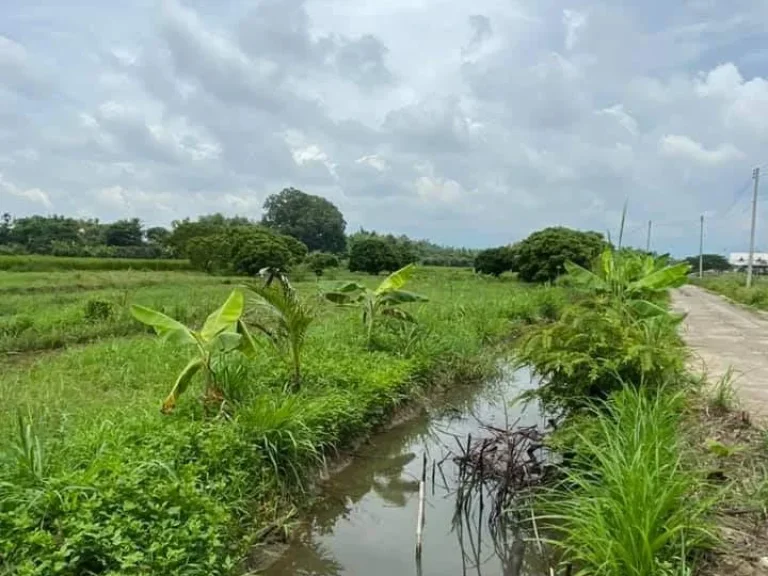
[[94, 480], [642, 488], [733, 286]]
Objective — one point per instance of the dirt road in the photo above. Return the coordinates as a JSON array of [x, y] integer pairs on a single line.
[[722, 334]]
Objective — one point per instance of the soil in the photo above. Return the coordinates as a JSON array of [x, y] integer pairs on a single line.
[[734, 451]]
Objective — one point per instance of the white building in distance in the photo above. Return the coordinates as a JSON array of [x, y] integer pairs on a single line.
[[740, 260]]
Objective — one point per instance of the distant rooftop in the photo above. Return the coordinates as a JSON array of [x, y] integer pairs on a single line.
[[742, 259]]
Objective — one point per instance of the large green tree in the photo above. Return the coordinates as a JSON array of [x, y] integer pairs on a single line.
[[542, 256], [312, 219], [373, 255], [709, 262], [124, 233], [495, 261], [241, 250]]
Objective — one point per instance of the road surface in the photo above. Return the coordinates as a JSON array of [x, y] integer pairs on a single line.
[[721, 334]]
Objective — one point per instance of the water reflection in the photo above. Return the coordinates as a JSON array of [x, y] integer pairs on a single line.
[[365, 522]]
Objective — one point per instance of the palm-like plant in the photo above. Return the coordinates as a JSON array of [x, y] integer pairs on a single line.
[[383, 301], [222, 332], [283, 317]]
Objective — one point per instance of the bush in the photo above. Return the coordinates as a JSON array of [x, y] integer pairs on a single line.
[[591, 352], [318, 262], [243, 250], [372, 255], [542, 256], [495, 261]]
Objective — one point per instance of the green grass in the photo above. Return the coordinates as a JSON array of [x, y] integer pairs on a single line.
[[733, 285], [630, 504], [73, 281], [58, 263], [94, 480]]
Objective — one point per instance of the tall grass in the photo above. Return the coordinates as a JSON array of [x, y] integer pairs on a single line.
[[54, 263], [629, 505], [733, 286]]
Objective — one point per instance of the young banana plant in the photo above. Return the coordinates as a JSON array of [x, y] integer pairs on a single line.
[[383, 301], [222, 332]]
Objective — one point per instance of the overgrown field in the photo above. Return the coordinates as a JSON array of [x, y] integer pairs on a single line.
[[733, 285], [36, 263], [95, 480]]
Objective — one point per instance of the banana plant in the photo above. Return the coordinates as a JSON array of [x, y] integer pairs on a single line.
[[283, 317], [223, 332], [383, 301], [628, 276]]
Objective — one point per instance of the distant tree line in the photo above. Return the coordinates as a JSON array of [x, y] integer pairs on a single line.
[[296, 227]]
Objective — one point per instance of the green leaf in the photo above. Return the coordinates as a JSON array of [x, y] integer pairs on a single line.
[[225, 317], [398, 314], [181, 384], [339, 298], [668, 277], [166, 327], [226, 341], [248, 345], [402, 296], [396, 280]]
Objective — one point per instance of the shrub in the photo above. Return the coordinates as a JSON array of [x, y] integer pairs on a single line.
[[96, 310], [542, 256], [319, 261], [372, 255], [495, 261], [243, 250]]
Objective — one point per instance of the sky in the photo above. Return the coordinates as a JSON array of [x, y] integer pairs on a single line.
[[468, 123]]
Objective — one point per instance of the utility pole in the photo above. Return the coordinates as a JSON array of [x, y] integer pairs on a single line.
[[648, 238], [701, 247], [756, 177]]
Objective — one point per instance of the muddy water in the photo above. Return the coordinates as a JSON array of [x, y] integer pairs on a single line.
[[365, 521]]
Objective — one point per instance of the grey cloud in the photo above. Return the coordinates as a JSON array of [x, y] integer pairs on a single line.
[[362, 61], [18, 72], [481, 29], [493, 120]]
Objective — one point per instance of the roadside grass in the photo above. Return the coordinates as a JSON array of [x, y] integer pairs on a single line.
[[94, 480], [630, 502], [732, 285]]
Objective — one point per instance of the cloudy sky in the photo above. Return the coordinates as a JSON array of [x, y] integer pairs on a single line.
[[470, 123]]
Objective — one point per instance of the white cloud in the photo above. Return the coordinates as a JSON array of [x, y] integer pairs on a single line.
[[574, 21], [32, 195], [374, 161], [684, 147], [430, 188]]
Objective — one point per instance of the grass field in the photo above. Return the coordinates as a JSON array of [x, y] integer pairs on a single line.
[[95, 480], [37, 263]]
